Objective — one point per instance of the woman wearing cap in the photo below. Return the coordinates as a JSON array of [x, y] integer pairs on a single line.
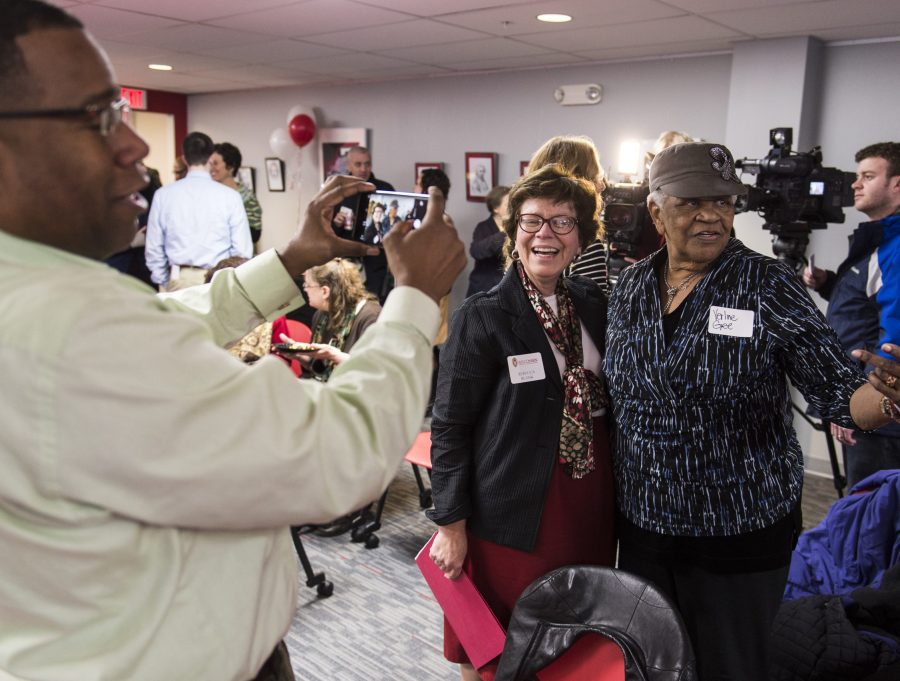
[[703, 337], [521, 479]]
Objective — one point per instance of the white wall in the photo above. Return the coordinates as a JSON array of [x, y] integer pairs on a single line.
[[440, 119]]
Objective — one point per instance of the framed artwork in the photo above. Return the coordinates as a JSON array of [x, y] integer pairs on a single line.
[[523, 167], [275, 174], [424, 165], [247, 177], [334, 143], [481, 174]]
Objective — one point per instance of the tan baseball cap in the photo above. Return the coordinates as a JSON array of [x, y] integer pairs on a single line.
[[695, 169]]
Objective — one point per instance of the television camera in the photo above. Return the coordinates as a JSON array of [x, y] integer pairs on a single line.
[[794, 194], [628, 226]]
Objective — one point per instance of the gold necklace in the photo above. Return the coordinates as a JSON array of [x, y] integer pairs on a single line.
[[671, 291]]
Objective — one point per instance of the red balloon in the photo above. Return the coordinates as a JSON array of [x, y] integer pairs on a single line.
[[302, 129]]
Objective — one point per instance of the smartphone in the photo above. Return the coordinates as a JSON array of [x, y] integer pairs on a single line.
[[294, 348], [383, 209]]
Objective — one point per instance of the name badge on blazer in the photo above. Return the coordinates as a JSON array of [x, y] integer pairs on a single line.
[[526, 368], [727, 321]]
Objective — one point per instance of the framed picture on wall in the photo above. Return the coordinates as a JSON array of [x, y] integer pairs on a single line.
[[334, 143], [425, 165], [523, 167], [247, 177], [481, 174], [275, 174]]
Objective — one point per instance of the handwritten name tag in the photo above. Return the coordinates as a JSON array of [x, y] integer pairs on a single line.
[[525, 368], [727, 321]]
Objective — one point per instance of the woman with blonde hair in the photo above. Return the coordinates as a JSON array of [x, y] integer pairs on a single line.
[[575, 153], [344, 310], [578, 155]]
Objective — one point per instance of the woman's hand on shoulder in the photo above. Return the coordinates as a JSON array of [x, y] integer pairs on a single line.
[[448, 551]]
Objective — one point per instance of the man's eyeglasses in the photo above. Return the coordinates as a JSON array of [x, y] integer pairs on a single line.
[[106, 116], [560, 224]]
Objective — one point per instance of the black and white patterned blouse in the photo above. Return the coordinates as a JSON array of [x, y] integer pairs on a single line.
[[704, 442]]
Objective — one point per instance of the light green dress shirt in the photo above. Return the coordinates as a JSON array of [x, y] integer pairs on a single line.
[[149, 477]]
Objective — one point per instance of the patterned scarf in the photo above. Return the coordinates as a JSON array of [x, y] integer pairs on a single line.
[[584, 390], [320, 335]]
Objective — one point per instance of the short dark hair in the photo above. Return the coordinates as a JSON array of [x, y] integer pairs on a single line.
[[21, 17], [889, 151], [197, 148], [435, 177], [555, 183], [231, 155], [495, 197]]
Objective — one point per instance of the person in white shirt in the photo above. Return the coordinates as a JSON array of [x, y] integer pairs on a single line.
[[149, 477], [194, 223]]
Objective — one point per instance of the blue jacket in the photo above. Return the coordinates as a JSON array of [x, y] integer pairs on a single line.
[[858, 540], [864, 294]]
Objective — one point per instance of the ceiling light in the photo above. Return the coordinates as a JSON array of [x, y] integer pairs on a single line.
[[554, 18], [159, 67]]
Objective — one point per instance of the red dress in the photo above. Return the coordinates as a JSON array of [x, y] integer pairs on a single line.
[[576, 529]]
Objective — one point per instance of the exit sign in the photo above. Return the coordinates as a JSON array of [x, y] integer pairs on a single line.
[[137, 99]]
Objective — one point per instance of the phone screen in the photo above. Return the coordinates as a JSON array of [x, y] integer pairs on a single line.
[[384, 210]]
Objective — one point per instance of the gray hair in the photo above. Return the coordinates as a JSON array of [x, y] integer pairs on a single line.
[[657, 196]]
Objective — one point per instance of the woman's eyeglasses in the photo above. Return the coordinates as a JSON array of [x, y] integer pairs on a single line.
[[560, 224]]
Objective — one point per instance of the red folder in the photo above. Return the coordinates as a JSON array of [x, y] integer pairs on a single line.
[[478, 630], [591, 658]]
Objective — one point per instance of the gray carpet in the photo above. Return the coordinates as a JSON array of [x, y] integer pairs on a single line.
[[382, 621]]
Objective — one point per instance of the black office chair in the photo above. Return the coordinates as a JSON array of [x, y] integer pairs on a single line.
[[563, 605]]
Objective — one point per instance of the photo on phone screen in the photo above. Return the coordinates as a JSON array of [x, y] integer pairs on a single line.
[[384, 210]]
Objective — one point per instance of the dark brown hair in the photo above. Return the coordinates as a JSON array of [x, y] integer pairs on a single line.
[[555, 183]]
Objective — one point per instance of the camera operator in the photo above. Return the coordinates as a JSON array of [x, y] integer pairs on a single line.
[[864, 294]]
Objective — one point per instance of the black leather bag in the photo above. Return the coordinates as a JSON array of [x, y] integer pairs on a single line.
[[564, 604]]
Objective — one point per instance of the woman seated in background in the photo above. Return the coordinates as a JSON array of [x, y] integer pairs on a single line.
[[344, 310], [223, 167], [488, 240], [522, 479]]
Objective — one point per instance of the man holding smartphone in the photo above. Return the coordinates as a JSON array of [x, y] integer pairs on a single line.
[[864, 294], [146, 495], [375, 267]]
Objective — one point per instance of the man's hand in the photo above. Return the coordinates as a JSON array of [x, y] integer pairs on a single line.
[[429, 258], [887, 371], [315, 242], [814, 277], [866, 402], [842, 435]]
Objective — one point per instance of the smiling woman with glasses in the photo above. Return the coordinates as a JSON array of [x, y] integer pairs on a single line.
[[522, 476]]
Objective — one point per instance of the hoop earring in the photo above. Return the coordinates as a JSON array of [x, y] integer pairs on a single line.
[[514, 255]]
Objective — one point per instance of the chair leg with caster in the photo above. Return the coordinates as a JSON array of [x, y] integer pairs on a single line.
[[324, 588], [365, 526]]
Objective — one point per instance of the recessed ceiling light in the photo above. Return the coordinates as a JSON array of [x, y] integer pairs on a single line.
[[159, 67], [554, 18]]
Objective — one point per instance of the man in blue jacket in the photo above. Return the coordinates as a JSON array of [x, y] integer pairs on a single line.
[[864, 294]]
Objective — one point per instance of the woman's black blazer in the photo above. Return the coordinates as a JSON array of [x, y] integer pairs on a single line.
[[494, 443]]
